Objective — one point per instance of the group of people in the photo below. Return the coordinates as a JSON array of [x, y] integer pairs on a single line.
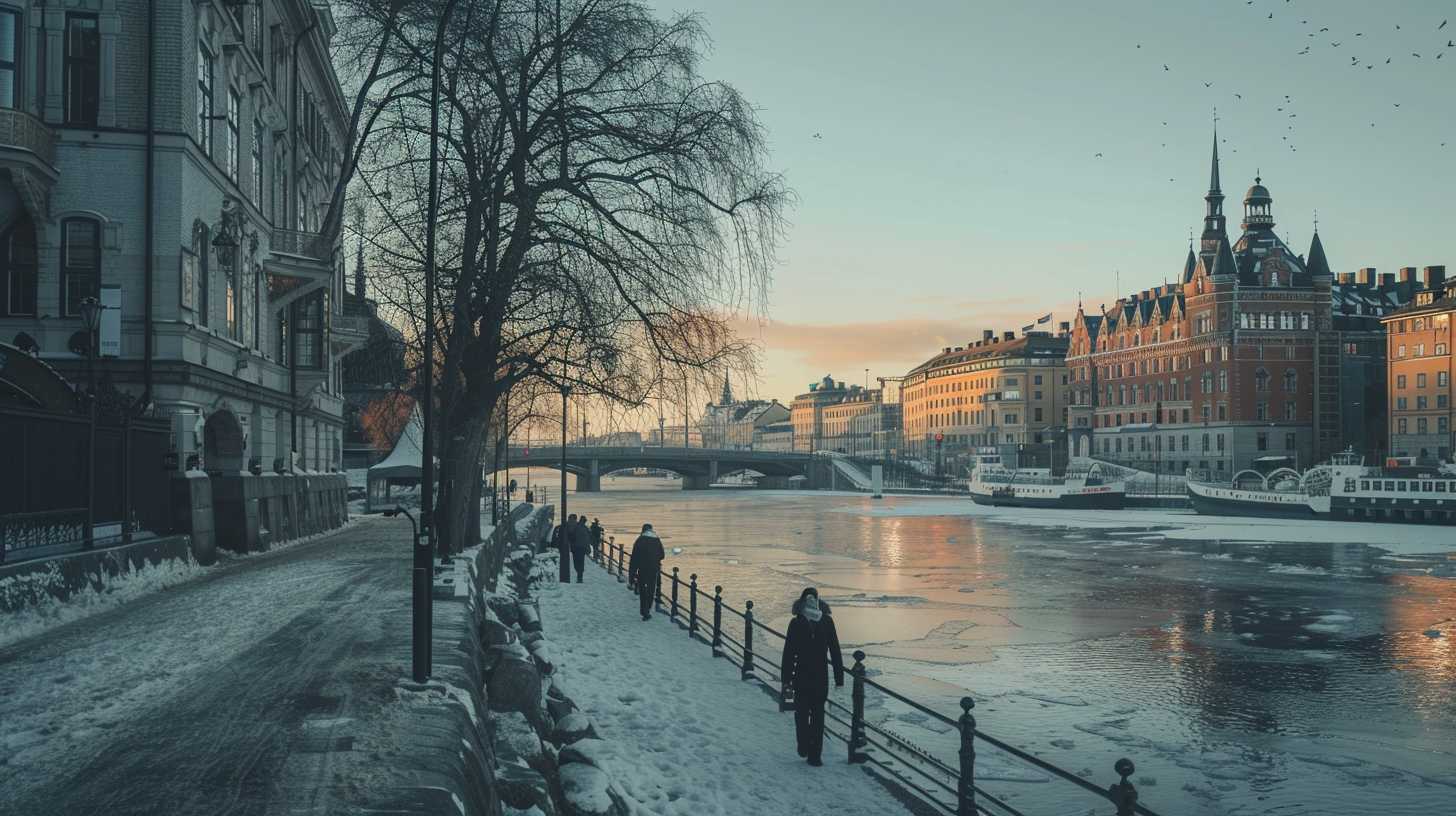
[[574, 540], [811, 645]]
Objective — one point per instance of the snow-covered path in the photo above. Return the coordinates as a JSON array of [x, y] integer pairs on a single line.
[[227, 693], [691, 738]]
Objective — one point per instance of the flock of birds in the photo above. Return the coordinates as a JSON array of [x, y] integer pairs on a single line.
[[1284, 104]]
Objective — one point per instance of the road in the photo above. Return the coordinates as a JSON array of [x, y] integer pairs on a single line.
[[235, 693]]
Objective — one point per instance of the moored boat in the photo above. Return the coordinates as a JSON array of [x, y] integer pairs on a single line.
[[994, 485]]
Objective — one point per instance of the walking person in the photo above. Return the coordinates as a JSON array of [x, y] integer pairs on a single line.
[[810, 642], [580, 545], [643, 571], [563, 548], [596, 538]]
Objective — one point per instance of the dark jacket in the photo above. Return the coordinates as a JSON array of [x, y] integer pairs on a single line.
[[558, 537], [806, 647], [647, 555], [596, 532], [580, 538]]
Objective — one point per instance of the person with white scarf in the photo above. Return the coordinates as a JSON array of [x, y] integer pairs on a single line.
[[811, 645]]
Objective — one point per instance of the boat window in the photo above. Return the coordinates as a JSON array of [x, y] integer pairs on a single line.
[[1364, 484], [1440, 487], [1349, 485], [1427, 486], [1400, 486], [1389, 485], [1375, 486]]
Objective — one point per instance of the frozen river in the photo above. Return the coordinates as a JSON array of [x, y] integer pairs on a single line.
[[1243, 672]]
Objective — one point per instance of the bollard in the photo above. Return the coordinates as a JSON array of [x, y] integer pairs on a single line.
[[1123, 794], [966, 792], [672, 615], [857, 738], [747, 640], [718, 621], [693, 605]]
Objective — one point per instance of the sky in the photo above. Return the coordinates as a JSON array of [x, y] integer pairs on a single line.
[[955, 185]]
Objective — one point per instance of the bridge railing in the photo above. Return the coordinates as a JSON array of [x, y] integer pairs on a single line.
[[950, 787]]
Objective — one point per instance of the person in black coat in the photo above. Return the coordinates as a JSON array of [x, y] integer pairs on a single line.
[[580, 546], [644, 569], [567, 532], [596, 537], [810, 644]]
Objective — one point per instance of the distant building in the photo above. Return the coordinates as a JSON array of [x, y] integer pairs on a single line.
[[833, 417], [731, 423], [1419, 380], [776, 436], [1237, 361], [1360, 301]]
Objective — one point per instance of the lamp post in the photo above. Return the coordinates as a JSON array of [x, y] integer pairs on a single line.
[[565, 395], [90, 319]]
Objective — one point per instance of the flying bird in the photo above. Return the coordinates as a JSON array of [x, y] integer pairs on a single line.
[[1451, 43], [818, 136], [1387, 60], [1165, 66], [1240, 96], [1271, 15], [1335, 44], [1208, 84], [1414, 54], [1442, 25], [1326, 28], [1097, 156]]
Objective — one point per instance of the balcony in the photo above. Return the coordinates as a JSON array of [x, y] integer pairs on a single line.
[[298, 264], [349, 331], [28, 154]]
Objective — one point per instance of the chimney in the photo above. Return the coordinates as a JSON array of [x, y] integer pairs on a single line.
[[987, 334], [945, 350], [1011, 335], [1064, 327], [1435, 276], [1387, 279], [1407, 274], [1347, 278], [1366, 276]]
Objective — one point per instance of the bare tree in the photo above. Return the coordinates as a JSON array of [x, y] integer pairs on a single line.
[[605, 210]]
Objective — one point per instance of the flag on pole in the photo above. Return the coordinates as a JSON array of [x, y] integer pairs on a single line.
[[1046, 318]]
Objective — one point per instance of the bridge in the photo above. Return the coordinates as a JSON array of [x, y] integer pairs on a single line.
[[698, 467]]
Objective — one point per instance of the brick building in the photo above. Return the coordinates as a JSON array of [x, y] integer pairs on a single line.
[[1236, 361], [1419, 381], [999, 390]]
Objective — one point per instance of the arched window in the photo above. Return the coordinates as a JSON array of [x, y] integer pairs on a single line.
[[1291, 379], [18, 269], [80, 263], [202, 246], [1261, 380]]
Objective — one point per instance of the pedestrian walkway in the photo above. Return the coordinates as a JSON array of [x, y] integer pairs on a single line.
[[691, 738]]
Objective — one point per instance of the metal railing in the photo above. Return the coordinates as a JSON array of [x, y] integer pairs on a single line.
[[953, 790], [305, 244], [26, 536]]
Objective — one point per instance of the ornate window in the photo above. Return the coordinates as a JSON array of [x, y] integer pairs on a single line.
[[1291, 379], [204, 97], [83, 68], [234, 111], [80, 263], [9, 58], [18, 268], [1261, 380], [255, 152]]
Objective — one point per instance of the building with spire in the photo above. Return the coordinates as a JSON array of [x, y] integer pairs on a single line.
[[1239, 361]]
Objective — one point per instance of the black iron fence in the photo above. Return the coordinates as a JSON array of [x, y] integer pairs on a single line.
[[43, 481], [951, 788]]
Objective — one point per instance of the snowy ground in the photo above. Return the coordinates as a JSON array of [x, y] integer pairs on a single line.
[[691, 738]]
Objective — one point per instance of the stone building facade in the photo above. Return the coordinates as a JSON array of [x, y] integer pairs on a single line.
[[999, 390], [1419, 381], [191, 205], [831, 416], [1235, 362]]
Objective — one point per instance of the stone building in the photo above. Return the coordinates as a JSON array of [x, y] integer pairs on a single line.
[[999, 390], [1419, 380], [1237, 361], [736, 424], [175, 160], [1360, 301], [831, 416]]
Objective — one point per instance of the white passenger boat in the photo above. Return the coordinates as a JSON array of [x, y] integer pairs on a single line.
[[1083, 487]]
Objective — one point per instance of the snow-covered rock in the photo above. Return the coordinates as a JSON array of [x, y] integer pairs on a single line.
[[571, 728], [591, 751], [589, 792], [515, 682], [515, 739], [523, 787], [530, 620]]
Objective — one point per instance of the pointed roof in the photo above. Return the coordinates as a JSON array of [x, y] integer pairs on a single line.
[[1213, 185], [1317, 265], [1224, 262], [726, 398], [1190, 265]]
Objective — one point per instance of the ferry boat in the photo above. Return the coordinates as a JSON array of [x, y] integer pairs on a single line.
[[994, 485], [1345, 489]]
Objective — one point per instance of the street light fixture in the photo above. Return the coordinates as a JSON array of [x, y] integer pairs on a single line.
[[420, 600]]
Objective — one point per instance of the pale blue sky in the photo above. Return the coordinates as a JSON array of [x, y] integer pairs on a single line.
[[955, 185]]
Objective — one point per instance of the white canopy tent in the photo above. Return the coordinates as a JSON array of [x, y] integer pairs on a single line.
[[401, 468]]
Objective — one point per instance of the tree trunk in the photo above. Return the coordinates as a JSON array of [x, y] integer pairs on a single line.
[[460, 471]]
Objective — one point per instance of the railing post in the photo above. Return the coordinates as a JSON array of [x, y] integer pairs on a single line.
[[621, 562], [747, 639], [718, 621], [857, 738], [1123, 794], [693, 605], [657, 599], [966, 791], [672, 615]]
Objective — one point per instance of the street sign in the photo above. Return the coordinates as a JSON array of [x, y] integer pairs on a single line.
[[940, 437]]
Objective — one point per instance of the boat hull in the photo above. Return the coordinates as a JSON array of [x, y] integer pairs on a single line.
[[1109, 500], [1228, 502]]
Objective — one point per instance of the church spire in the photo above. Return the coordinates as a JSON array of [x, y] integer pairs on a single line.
[[1213, 220], [1317, 264], [726, 398]]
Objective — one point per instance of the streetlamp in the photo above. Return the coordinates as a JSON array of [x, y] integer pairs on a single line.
[[565, 395], [420, 600], [90, 319]]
